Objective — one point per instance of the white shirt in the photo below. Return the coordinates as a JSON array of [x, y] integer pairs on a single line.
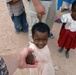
[[45, 66], [70, 23]]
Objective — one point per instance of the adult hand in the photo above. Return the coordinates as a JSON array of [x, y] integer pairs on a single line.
[[23, 54], [40, 9]]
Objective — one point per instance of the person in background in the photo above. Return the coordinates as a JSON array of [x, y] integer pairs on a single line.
[[46, 8], [67, 36], [9, 63], [59, 4], [65, 8], [67, 4], [18, 15]]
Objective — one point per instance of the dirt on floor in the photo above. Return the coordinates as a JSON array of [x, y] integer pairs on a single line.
[[11, 42]]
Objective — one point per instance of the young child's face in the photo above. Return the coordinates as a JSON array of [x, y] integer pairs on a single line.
[[40, 39], [74, 13]]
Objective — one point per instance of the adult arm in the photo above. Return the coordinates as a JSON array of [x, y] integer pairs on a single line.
[[39, 8], [12, 62], [18, 60]]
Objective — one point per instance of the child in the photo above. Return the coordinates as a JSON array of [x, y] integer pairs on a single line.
[[9, 63], [67, 36], [40, 33], [18, 15]]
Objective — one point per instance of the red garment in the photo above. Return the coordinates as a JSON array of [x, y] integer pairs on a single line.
[[67, 39]]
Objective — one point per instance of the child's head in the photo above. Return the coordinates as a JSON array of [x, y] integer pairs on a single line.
[[40, 33], [73, 9]]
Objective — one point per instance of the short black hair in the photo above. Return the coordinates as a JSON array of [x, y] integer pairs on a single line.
[[41, 27], [73, 5]]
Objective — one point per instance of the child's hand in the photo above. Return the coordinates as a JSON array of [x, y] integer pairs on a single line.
[[39, 17]]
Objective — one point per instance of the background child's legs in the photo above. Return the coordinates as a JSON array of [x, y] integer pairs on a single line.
[[67, 53], [61, 49], [17, 23], [20, 22], [24, 22]]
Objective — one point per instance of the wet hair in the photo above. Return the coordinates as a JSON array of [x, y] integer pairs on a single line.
[[41, 27], [73, 5]]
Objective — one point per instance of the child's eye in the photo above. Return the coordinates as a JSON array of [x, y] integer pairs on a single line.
[[38, 39], [44, 40]]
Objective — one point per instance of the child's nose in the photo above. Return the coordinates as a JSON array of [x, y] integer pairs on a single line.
[[41, 42]]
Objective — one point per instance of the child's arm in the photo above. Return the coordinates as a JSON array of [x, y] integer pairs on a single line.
[[13, 2], [63, 26], [18, 60], [39, 8]]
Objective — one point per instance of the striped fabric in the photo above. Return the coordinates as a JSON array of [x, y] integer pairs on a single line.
[[15, 9]]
